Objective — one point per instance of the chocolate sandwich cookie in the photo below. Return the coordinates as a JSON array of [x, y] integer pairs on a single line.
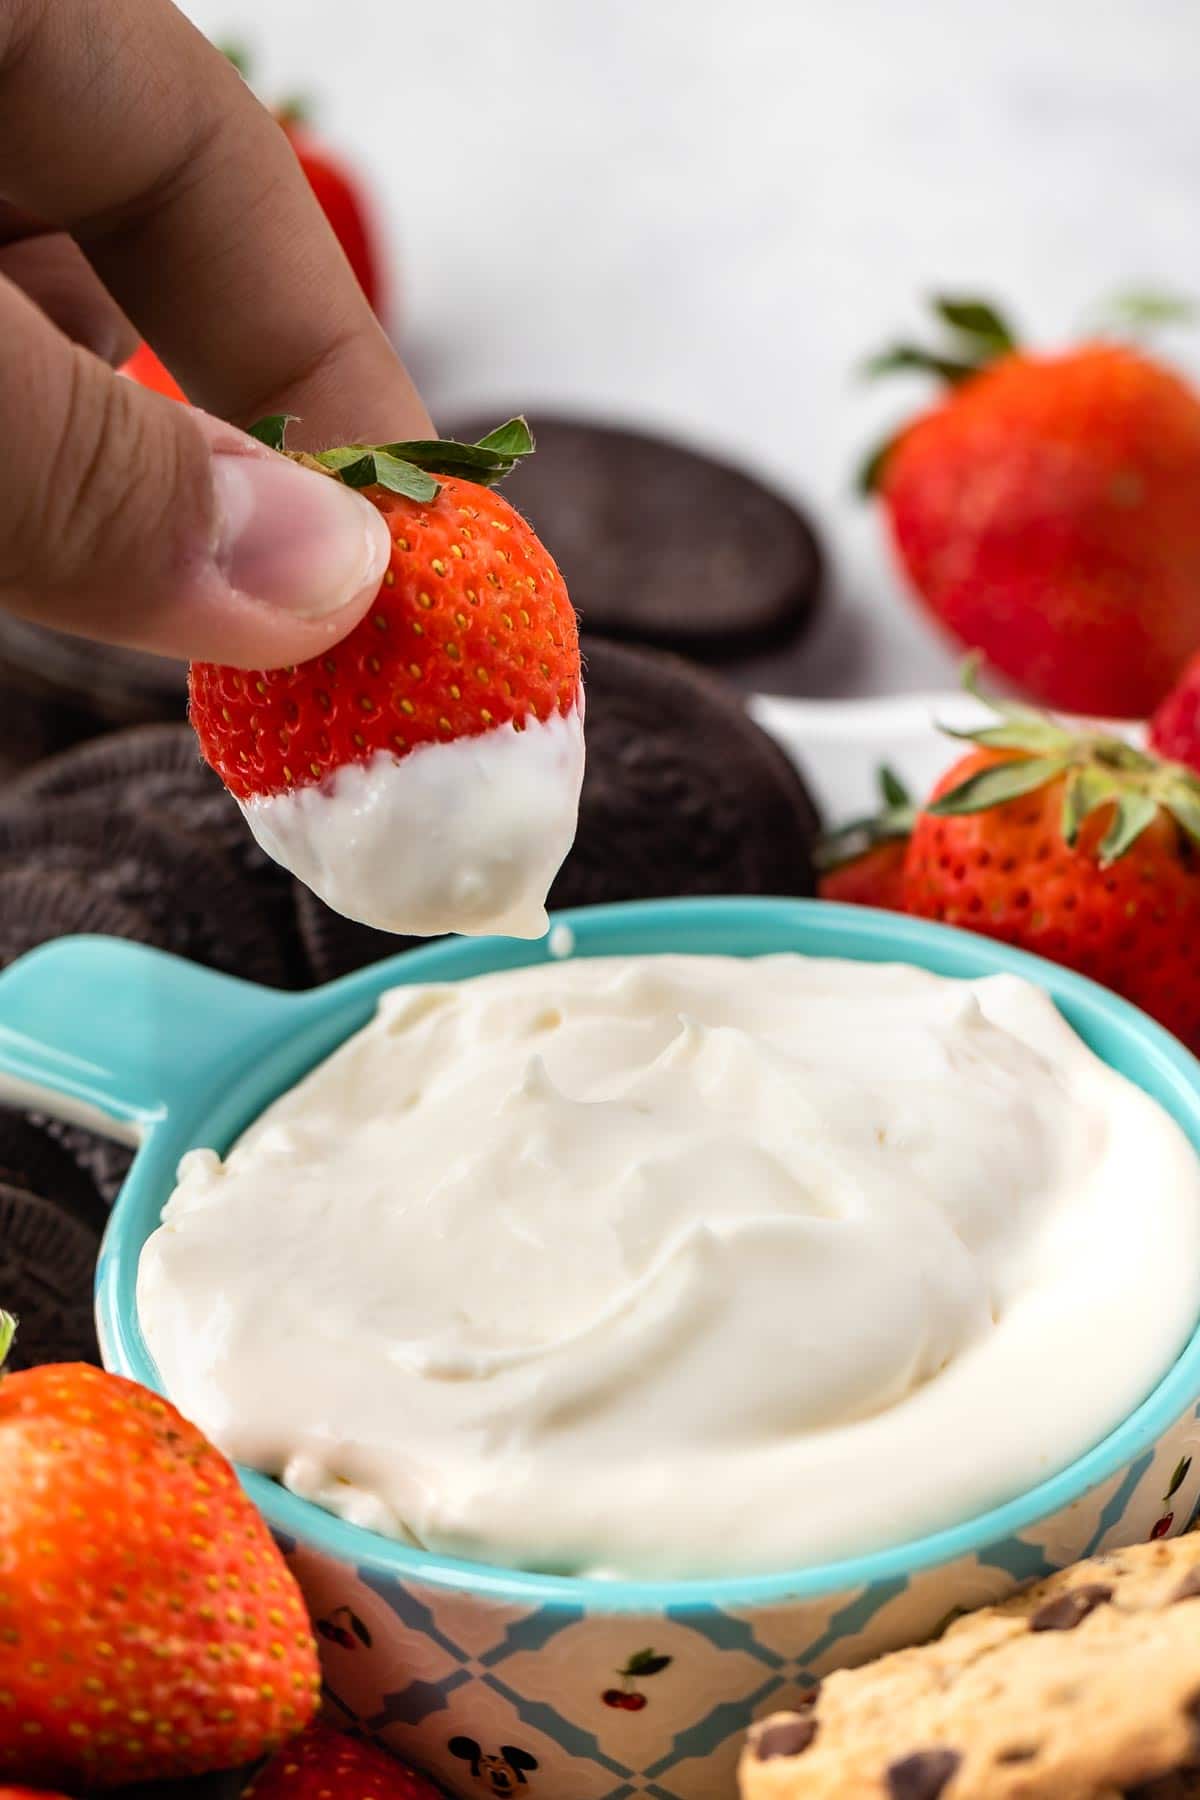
[[336, 946], [37, 905], [683, 793], [106, 686], [102, 1161], [153, 883], [47, 1267], [154, 774], [32, 1159], [33, 724], [663, 545], [1085, 1686]]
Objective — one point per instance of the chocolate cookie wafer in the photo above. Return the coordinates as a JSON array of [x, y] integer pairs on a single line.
[[38, 904], [106, 686], [32, 1159], [152, 883], [103, 1161], [334, 945], [683, 792], [47, 1266], [663, 545], [155, 774]]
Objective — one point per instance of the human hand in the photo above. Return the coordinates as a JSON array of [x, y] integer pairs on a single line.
[[140, 181]]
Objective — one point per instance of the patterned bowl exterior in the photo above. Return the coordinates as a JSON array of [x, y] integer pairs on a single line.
[[495, 1699]]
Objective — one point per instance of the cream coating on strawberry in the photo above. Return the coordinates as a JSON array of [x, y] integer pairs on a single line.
[[493, 817], [423, 776]]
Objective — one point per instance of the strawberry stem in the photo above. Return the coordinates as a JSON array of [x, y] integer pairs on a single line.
[[1096, 770], [409, 467], [893, 822], [8, 1331]]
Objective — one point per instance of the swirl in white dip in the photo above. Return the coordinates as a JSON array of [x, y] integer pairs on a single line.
[[464, 836], [681, 1265]]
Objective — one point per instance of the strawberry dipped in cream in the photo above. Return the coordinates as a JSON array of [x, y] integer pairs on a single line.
[[423, 775]]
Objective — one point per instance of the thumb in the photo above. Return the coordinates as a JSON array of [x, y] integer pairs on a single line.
[[127, 517]]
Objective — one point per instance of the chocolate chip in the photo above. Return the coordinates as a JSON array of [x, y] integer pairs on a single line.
[[1066, 1611], [923, 1775], [1018, 1753], [1189, 1587], [788, 1737]]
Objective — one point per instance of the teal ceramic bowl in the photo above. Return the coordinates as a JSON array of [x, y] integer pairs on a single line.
[[502, 1682]]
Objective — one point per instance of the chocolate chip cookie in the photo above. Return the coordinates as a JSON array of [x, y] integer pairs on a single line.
[[1083, 1687]]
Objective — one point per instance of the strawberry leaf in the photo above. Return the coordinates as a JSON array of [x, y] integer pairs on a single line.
[[1179, 1477], [272, 430], [486, 462], [893, 823], [409, 468], [1133, 813], [904, 356], [1087, 789], [8, 1331], [514, 438], [403, 477], [355, 463], [239, 56], [870, 470], [1144, 309], [1002, 781], [892, 789], [977, 320], [1182, 800], [1031, 734]]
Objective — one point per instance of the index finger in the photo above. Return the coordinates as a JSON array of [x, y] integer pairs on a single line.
[[121, 124]]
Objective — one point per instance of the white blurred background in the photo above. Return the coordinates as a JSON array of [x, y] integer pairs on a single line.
[[701, 214]]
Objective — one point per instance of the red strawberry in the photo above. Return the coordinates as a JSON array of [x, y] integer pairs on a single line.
[[323, 1762], [1081, 848], [148, 1625], [1046, 512], [472, 630], [470, 647], [145, 368], [862, 864], [1175, 727]]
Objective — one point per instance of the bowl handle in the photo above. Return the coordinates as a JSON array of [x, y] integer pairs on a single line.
[[111, 1034]]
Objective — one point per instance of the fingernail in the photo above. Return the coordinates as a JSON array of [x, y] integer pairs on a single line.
[[291, 538]]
